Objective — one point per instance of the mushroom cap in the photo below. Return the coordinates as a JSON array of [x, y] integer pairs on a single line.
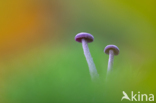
[[88, 37], [111, 47]]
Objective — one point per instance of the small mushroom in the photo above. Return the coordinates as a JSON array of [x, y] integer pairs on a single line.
[[85, 38], [111, 50]]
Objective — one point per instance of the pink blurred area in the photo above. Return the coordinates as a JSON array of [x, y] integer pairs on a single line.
[[25, 24]]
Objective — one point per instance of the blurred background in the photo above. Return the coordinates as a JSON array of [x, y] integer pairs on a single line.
[[40, 62]]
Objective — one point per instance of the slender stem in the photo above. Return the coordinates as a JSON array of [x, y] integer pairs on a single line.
[[110, 61], [92, 68]]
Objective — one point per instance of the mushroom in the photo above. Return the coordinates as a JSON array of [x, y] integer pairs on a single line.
[[85, 38], [111, 50]]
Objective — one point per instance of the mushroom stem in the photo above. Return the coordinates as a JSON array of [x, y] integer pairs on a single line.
[[111, 50], [110, 61], [92, 68]]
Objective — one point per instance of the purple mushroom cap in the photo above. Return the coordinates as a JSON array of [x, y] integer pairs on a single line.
[[111, 47], [88, 37]]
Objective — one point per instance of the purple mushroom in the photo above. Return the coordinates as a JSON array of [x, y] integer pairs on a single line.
[[111, 50], [85, 38]]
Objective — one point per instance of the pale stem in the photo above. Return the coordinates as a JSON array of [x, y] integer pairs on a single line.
[[110, 61], [92, 68]]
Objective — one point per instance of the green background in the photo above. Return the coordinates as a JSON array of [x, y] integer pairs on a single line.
[[55, 70]]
